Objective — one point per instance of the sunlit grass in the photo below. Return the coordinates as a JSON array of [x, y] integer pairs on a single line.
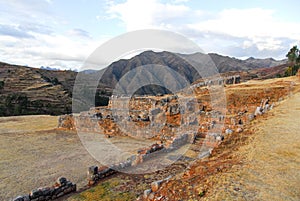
[[105, 191]]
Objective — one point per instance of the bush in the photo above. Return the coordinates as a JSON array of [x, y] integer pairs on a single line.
[[291, 71]]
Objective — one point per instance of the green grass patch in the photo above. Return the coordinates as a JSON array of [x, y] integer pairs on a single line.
[[105, 192]]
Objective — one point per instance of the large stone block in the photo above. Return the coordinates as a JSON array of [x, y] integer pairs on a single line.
[[61, 181], [22, 198], [93, 170], [35, 194], [74, 187]]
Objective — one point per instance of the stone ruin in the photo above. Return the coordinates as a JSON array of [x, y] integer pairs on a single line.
[[156, 115], [234, 79], [61, 187], [152, 110], [95, 173], [160, 116]]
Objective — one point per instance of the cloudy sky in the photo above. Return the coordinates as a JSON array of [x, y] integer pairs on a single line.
[[62, 33]]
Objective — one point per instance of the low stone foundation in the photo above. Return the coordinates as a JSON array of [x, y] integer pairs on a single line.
[[95, 173], [62, 187]]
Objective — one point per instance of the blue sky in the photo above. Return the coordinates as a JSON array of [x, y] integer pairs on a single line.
[[62, 33]]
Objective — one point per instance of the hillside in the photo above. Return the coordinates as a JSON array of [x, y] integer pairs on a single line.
[[34, 91], [25, 90]]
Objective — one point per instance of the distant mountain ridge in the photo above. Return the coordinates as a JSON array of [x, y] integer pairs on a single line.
[[178, 62], [267, 62], [49, 68], [223, 63], [25, 90]]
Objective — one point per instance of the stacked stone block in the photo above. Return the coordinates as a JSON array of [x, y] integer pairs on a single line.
[[62, 187]]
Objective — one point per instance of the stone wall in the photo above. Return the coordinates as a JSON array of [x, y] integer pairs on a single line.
[[95, 173], [135, 112], [168, 116], [234, 79], [62, 187], [155, 114]]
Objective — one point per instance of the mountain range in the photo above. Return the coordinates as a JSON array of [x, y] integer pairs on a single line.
[[26, 90]]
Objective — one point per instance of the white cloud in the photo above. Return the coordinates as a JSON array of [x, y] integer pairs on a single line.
[[30, 35], [143, 14], [258, 27], [181, 1], [255, 29], [247, 23], [47, 50]]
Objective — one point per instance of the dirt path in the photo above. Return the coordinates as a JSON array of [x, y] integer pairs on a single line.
[[271, 160]]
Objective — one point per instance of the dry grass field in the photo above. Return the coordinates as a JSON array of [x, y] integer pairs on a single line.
[[33, 154]]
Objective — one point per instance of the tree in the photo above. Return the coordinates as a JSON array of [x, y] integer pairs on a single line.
[[293, 55], [294, 61]]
